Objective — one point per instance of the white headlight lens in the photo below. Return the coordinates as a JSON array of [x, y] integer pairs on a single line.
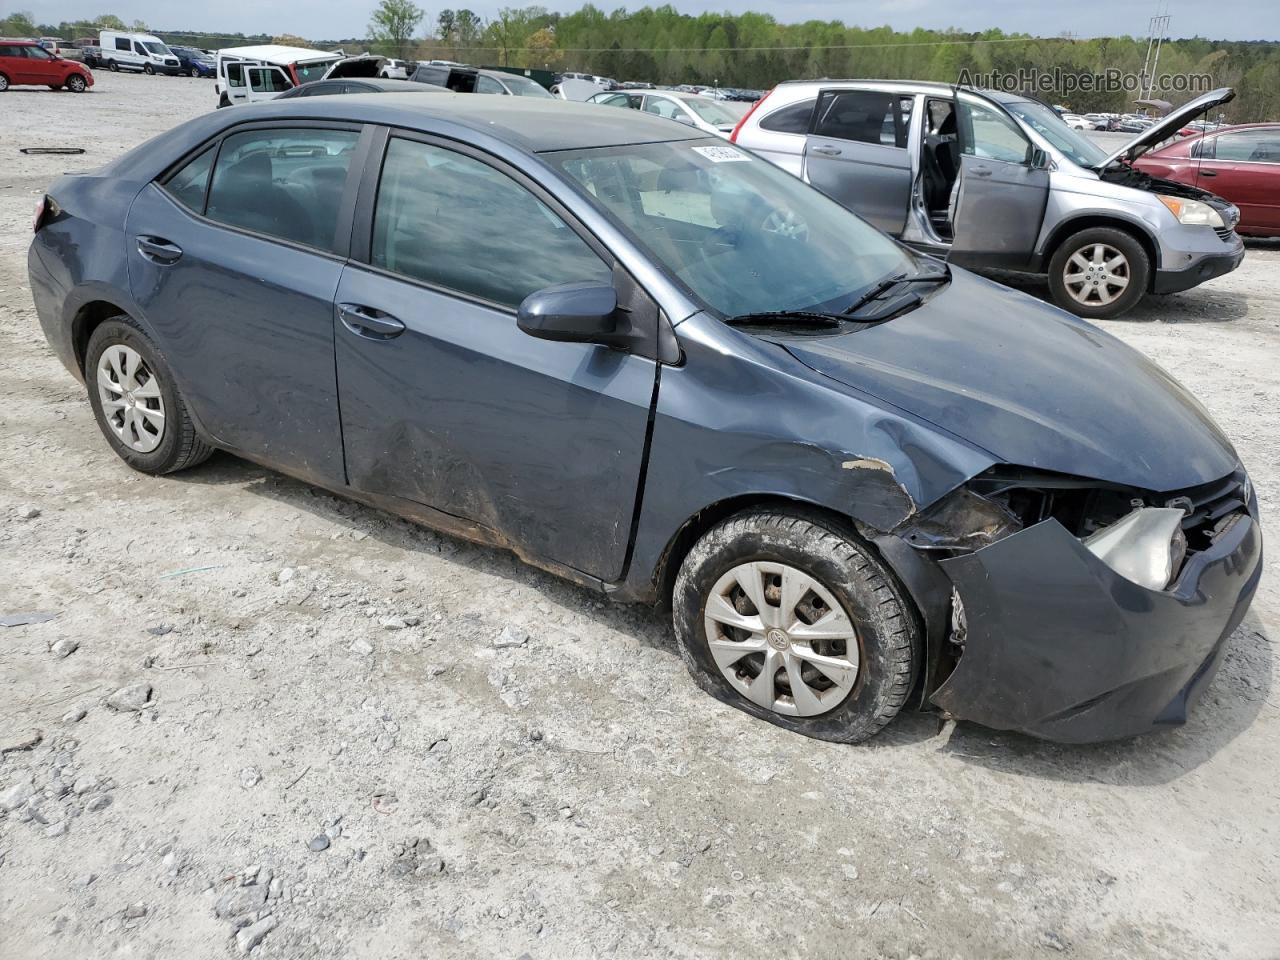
[[1192, 212], [1145, 546]]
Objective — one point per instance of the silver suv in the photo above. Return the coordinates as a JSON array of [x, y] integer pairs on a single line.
[[997, 180]]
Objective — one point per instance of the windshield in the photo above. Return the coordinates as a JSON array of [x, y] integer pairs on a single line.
[[742, 235], [711, 112], [313, 70], [524, 87], [1075, 145], [159, 49]]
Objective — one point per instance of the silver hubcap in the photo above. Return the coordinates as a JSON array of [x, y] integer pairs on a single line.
[[131, 399], [1096, 274], [781, 639]]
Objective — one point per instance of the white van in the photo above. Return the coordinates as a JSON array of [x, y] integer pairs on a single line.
[[137, 51], [246, 74]]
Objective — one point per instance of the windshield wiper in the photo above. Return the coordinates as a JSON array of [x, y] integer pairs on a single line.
[[887, 284], [810, 317]]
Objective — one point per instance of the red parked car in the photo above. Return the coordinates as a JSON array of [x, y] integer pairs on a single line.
[[26, 62], [1240, 164]]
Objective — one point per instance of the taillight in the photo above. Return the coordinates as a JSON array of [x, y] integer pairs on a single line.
[[733, 137]]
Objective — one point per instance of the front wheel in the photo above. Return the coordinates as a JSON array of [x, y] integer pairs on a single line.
[[194, 71], [148, 70], [136, 402], [792, 618], [76, 83], [1099, 273], [4, 83]]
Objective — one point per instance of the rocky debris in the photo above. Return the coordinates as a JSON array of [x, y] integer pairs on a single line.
[[416, 857], [319, 842], [393, 623], [510, 638], [361, 646], [135, 911], [28, 511], [285, 575], [241, 903], [75, 716], [16, 796], [160, 629], [250, 777], [23, 741], [252, 935], [64, 648], [100, 802], [132, 698]]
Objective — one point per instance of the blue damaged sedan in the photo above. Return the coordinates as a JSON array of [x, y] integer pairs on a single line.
[[650, 362]]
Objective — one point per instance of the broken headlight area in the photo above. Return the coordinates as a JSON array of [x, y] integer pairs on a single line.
[[1145, 537]]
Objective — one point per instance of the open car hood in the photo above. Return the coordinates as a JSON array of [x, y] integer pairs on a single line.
[[1167, 126], [1029, 383]]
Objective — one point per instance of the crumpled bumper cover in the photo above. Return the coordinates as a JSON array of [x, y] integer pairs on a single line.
[[1061, 647]]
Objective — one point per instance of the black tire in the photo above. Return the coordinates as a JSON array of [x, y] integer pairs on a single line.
[[4, 82], [180, 446], [55, 87], [113, 66], [76, 83], [887, 625], [148, 69], [1138, 267], [195, 71]]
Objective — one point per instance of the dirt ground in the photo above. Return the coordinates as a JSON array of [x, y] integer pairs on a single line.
[[324, 675]]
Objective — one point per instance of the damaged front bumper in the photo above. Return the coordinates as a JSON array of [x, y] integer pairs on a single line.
[[1060, 646]]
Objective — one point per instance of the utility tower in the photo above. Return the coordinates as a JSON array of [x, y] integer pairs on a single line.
[[1157, 33]]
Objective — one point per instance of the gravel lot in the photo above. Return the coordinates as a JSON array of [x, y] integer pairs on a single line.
[[317, 674]]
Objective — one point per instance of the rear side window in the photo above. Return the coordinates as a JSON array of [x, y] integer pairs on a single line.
[[284, 183], [863, 116], [454, 222], [1254, 146], [122, 43], [792, 119], [488, 85], [188, 185]]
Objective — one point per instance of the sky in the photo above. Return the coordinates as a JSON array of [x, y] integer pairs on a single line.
[[334, 19]]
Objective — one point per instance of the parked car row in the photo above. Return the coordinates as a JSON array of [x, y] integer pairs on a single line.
[[655, 363]]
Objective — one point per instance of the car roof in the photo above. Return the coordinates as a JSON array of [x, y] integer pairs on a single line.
[[389, 85], [279, 52], [532, 125]]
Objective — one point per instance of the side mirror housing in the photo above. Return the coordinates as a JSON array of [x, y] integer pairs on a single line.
[[580, 312], [1039, 159]]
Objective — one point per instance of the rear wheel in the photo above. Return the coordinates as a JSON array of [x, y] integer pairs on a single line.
[[4, 83], [113, 66], [792, 618], [76, 83], [1099, 273], [194, 71], [136, 402]]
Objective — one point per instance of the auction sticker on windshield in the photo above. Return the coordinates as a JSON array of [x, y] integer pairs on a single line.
[[721, 154]]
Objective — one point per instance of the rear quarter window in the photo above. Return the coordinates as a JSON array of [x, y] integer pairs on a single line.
[[792, 119], [189, 185]]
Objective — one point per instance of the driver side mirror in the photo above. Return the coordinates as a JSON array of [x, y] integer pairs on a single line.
[[1039, 159], [581, 312]]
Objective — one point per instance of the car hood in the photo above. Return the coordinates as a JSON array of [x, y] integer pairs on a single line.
[[1031, 384], [1167, 126]]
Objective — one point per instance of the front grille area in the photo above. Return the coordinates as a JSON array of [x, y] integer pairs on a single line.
[[1209, 506], [1225, 234]]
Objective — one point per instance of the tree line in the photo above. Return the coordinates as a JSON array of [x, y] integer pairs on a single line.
[[754, 50]]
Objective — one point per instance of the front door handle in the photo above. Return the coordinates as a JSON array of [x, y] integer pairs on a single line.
[[369, 322], [1208, 173], [827, 151], [159, 250], [982, 171]]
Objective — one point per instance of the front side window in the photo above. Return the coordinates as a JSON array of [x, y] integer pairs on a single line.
[[488, 85], [863, 116], [189, 185], [524, 87], [285, 183], [662, 107], [454, 222], [1250, 146], [711, 112], [1073, 143], [38, 53], [235, 74], [740, 233], [991, 135]]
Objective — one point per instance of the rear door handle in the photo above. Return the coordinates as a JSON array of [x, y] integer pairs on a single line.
[[827, 151], [369, 322], [158, 250]]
